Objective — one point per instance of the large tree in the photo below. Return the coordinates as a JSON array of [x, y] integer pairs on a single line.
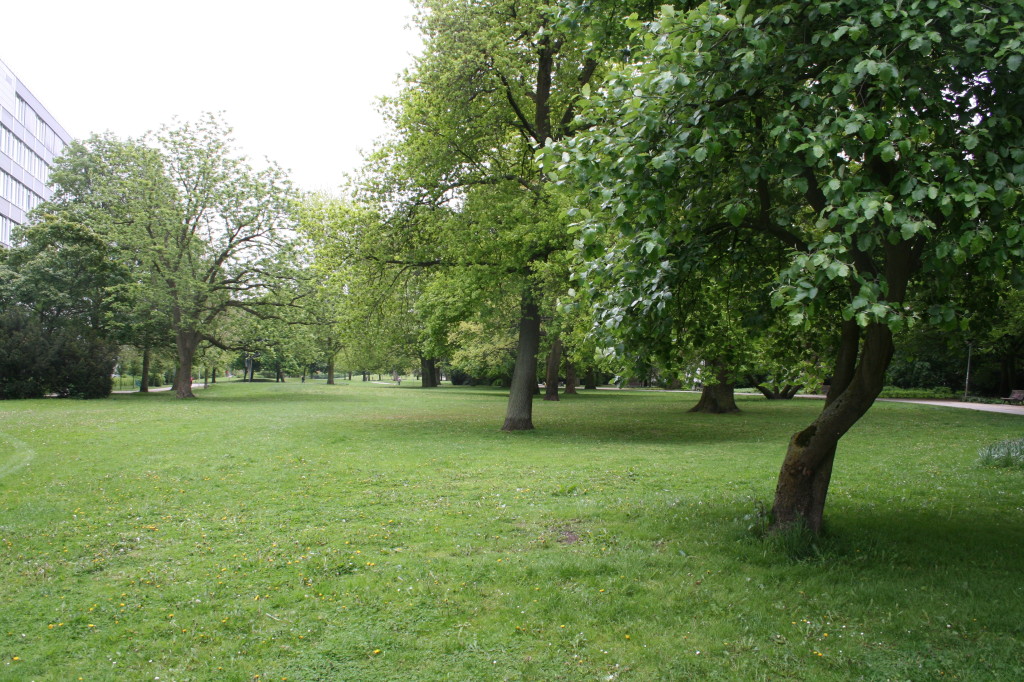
[[879, 142], [196, 224], [498, 80]]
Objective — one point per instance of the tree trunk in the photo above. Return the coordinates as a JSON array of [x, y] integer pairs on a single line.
[[785, 393], [717, 398], [861, 361], [330, 370], [428, 372], [144, 383], [551, 372], [187, 342], [570, 378], [807, 469], [213, 375], [590, 382], [519, 414]]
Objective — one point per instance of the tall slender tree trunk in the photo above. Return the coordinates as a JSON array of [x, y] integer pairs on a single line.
[[570, 378], [146, 357], [330, 369], [187, 342], [519, 414], [551, 371]]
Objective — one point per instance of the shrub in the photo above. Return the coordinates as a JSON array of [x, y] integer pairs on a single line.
[[1006, 453], [25, 357], [35, 361], [84, 366], [937, 393]]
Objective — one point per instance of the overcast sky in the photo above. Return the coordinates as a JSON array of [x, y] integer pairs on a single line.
[[297, 80]]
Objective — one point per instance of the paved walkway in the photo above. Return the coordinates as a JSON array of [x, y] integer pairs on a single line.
[[980, 407], [154, 389]]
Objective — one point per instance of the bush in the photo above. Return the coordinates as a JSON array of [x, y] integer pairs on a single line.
[[66, 361], [25, 357], [1007, 453], [937, 393], [85, 366]]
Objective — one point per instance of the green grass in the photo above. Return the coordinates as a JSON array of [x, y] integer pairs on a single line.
[[367, 532]]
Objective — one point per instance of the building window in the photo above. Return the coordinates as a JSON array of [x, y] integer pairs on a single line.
[[7, 142], [21, 111], [6, 224]]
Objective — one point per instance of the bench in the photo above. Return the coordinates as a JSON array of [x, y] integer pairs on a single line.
[[1016, 396]]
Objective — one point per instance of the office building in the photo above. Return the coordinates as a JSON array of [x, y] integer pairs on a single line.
[[30, 138]]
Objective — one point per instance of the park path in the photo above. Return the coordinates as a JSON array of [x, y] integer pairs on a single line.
[[980, 407], [155, 389]]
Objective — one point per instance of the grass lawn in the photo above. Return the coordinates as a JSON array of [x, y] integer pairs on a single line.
[[368, 532]]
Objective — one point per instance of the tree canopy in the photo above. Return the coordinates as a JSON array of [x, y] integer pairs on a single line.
[[879, 145]]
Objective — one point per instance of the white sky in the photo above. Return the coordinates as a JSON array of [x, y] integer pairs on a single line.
[[297, 80]]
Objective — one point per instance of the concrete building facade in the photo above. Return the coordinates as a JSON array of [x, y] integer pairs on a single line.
[[30, 138]]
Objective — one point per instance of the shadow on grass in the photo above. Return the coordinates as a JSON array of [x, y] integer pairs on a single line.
[[260, 394], [912, 546]]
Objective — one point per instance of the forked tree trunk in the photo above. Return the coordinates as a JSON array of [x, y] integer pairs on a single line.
[[785, 393], [144, 383], [519, 414], [861, 362], [717, 398], [807, 469], [570, 378], [551, 371]]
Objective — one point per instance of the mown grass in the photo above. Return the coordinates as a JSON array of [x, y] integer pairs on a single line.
[[367, 532]]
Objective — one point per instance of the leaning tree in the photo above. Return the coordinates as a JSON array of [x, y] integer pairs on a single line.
[[880, 143]]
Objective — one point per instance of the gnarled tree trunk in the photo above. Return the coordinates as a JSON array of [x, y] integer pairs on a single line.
[[519, 414], [717, 398], [807, 469], [785, 393], [861, 362]]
